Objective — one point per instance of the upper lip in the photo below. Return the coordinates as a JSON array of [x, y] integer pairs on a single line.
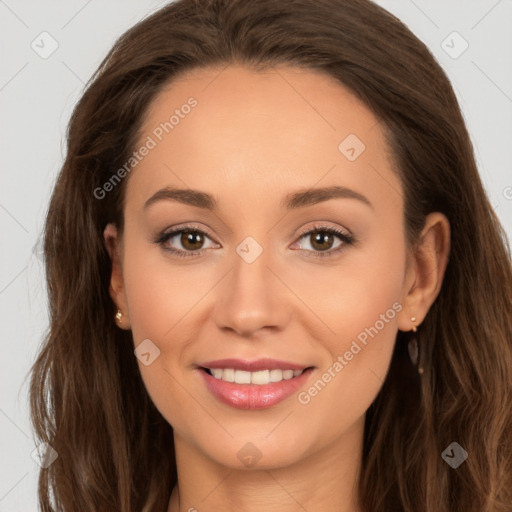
[[253, 366]]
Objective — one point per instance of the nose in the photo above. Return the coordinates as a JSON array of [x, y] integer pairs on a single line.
[[252, 298]]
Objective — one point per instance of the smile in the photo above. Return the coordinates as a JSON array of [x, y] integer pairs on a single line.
[[259, 378], [253, 385]]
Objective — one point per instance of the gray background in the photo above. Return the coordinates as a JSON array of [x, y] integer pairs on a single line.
[[36, 98]]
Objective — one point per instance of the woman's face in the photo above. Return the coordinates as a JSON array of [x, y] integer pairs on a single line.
[[260, 166]]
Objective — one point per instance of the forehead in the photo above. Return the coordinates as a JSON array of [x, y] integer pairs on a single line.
[[244, 134]]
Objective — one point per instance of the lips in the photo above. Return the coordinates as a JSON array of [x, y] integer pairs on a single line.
[[253, 384]]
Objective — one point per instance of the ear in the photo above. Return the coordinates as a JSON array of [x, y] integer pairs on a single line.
[[113, 244], [426, 269]]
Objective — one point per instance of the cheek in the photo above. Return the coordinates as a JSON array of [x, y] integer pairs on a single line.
[[359, 301], [357, 296], [158, 302], [363, 315], [159, 294]]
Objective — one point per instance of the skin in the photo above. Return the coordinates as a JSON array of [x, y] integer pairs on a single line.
[[253, 138]]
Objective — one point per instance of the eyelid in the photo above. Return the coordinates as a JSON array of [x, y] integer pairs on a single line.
[[164, 236], [186, 227], [319, 227]]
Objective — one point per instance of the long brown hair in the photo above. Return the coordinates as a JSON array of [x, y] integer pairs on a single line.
[[88, 401]]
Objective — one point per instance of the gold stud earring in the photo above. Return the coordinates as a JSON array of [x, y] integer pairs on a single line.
[[119, 316], [414, 328], [413, 349]]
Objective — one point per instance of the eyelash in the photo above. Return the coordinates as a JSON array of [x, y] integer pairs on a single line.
[[347, 239]]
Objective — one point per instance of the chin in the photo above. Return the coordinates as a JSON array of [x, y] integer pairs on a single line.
[[256, 451]]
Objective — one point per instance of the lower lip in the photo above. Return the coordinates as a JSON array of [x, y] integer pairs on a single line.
[[253, 396]]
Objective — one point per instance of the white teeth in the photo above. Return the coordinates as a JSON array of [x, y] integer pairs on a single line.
[[227, 374], [287, 374], [242, 377], [260, 378], [276, 375], [217, 373]]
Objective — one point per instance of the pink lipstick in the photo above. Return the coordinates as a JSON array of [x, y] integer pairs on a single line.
[[253, 384]]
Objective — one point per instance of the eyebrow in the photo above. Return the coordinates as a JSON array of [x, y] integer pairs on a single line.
[[292, 201]]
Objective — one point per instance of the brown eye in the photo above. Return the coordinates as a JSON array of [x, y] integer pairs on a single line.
[[325, 241], [185, 241], [322, 240], [191, 240]]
